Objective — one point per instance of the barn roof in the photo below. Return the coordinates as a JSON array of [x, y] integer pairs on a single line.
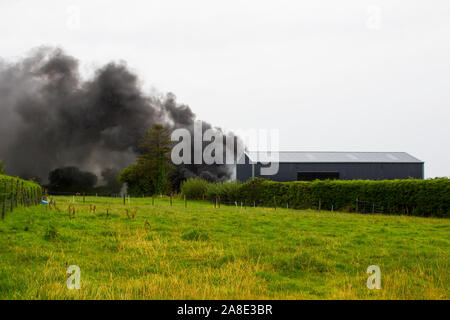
[[335, 156]]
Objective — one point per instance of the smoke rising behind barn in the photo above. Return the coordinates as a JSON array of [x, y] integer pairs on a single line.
[[51, 117]]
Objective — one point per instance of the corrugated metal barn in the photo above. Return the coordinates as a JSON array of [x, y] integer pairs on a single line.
[[308, 166]]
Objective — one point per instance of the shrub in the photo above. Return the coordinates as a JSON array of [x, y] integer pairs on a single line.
[[409, 196], [230, 191], [194, 188], [136, 180], [212, 191], [225, 191]]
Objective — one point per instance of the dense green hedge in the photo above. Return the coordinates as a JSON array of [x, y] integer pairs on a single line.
[[28, 184], [18, 192], [195, 189], [409, 197]]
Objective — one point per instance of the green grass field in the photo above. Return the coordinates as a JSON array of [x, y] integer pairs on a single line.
[[229, 253]]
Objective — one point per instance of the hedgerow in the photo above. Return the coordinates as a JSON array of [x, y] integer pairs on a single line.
[[15, 192], [409, 197], [195, 188]]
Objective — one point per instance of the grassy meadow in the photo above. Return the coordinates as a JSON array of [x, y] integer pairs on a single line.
[[200, 252]]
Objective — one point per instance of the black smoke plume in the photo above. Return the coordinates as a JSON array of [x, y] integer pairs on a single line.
[[52, 118]]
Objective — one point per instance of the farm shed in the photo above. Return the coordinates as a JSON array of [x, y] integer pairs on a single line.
[[308, 166]]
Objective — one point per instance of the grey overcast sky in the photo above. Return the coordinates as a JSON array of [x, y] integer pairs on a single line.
[[349, 75]]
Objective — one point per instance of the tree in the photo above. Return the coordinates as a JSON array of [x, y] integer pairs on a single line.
[[156, 147], [71, 179], [138, 182]]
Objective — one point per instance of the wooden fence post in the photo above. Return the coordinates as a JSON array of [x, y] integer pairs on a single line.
[[27, 203], [357, 204], [171, 199], [17, 193], [12, 198], [22, 201], [275, 202], [185, 202], [4, 203]]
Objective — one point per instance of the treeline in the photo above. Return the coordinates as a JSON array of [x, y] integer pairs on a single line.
[[70, 180], [409, 197], [15, 192]]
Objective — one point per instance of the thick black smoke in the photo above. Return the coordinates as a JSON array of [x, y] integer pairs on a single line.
[[51, 118]]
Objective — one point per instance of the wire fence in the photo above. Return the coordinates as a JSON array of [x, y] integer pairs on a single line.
[[369, 207], [360, 206], [15, 193]]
